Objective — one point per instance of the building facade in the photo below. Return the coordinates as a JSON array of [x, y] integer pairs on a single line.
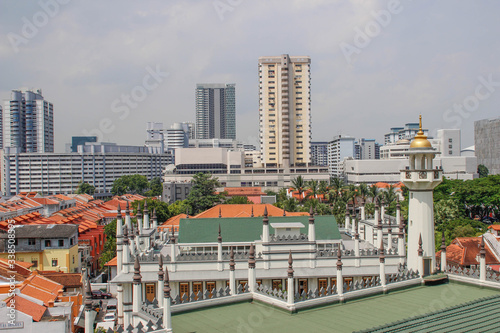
[[367, 149], [487, 144], [28, 122], [339, 149], [407, 132], [285, 110], [98, 165], [215, 111], [319, 153]]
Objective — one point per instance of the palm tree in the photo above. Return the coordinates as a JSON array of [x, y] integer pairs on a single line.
[[389, 195], [363, 191], [323, 188], [373, 192], [298, 184], [312, 186]]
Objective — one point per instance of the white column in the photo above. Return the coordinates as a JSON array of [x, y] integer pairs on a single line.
[[357, 261], [382, 267], [265, 227], [146, 216], [127, 300], [290, 282], [420, 258], [119, 300], [219, 253], [128, 221], [347, 218], [362, 211], [353, 225], [398, 212], [167, 311], [160, 284], [312, 228], [389, 239], [126, 252], [380, 235], [232, 279], [137, 287], [340, 279], [443, 254], [382, 210], [251, 269]]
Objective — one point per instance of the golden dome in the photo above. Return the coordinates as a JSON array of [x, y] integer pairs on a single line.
[[420, 140]]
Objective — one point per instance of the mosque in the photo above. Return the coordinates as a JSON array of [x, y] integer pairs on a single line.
[[288, 262]]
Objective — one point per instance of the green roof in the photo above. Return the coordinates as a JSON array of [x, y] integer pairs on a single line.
[[249, 229], [360, 314]]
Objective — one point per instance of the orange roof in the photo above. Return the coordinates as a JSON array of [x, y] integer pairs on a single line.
[[464, 251], [386, 185], [38, 293], [243, 191], [495, 227], [23, 264], [44, 283], [28, 307], [245, 210], [112, 262], [173, 221], [68, 280], [45, 201]]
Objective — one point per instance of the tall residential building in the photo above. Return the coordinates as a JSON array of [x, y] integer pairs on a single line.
[[487, 142], [402, 133], [285, 110], [367, 149], [319, 153], [1, 127], [338, 149], [28, 122], [178, 136], [215, 111]]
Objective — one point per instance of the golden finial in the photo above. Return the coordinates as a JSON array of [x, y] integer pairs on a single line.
[[420, 140]]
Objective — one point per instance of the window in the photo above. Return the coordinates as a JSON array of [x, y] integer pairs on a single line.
[[183, 289], [31, 241], [47, 243], [54, 262], [73, 259], [61, 243], [450, 140], [277, 284], [34, 262], [211, 287], [71, 241]]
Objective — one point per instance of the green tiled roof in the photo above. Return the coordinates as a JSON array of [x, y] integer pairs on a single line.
[[476, 316], [249, 229], [355, 315]]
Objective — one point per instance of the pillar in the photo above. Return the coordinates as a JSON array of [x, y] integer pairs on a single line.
[[482, 261], [443, 253], [173, 250], [137, 287], [128, 221], [347, 218], [126, 251], [146, 215], [357, 261], [139, 218], [398, 211], [251, 269], [401, 243], [89, 323], [382, 210], [232, 279], [389, 238], [376, 213], [155, 221], [353, 225], [362, 210], [340, 279], [159, 289], [265, 227], [312, 227], [119, 241], [291, 292], [380, 232], [167, 311], [382, 267], [119, 300], [219, 252]]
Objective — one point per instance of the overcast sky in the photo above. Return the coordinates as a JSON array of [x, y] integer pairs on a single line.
[[369, 71]]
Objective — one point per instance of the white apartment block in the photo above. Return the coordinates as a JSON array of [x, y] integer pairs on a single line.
[[98, 165], [339, 149], [285, 110], [28, 122]]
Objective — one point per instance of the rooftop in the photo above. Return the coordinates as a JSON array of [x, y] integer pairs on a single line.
[[351, 316]]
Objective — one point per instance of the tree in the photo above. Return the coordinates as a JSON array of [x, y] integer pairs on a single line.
[[156, 188], [313, 189], [323, 188], [135, 184], [299, 185], [237, 200], [162, 209], [109, 251], [482, 171], [179, 207], [85, 188], [203, 193], [373, 192]]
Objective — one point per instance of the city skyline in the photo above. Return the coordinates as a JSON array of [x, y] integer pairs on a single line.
[[415, 59]]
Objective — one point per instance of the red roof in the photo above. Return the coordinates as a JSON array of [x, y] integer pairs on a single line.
[[112, 262], [464, 251], [28, 307], [245, 210], [495, 227]]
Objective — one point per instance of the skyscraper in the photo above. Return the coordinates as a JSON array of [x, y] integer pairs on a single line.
[[28, 122], [215, 111], [285, 110]]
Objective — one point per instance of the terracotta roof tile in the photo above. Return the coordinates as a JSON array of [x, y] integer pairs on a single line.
[[464, 251], [28, 307], [112, 262]]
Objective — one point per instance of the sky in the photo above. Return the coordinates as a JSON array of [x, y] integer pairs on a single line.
[[109, 67]]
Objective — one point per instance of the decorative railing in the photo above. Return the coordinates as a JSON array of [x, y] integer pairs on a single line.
[[468, 272], [194, 256], [151, 309], [351, 253], [401, 276], [207, 294], [289, 238]]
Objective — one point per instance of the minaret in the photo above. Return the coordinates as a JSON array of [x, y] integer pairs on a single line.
[[167, 312], [312, 227], [421, 179], [138, 215], [443, 253], [155, 220], [232, 280], [146, 215], [89, 323], [291, 293], [251, 269], [126, 251], [219, 251]]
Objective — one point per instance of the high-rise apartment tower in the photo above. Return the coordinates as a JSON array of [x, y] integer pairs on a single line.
[[215, 111], [28, 122], [285, 110]]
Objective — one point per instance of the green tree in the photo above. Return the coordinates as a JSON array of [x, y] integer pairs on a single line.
[[109, 251], [155, 188], [179, 207], [85, 188], [482, 171], [203, 193], [373, 192], [135, 184], [238, 201], [323, 188], [312, 188]]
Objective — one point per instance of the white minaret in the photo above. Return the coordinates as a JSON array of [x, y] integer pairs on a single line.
[[421, 179]]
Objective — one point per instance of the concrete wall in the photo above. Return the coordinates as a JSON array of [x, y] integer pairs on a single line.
[[487, 142]]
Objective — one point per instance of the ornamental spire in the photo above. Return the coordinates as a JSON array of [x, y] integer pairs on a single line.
[[290, 265]]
